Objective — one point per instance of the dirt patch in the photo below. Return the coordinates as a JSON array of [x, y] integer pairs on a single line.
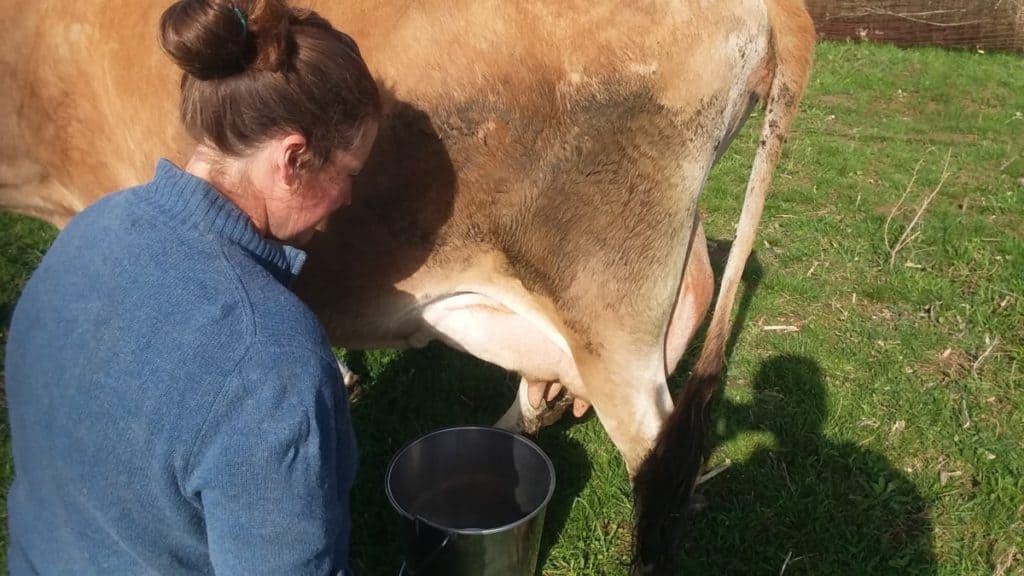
[[948, 364], [833, 100], [882, 313]]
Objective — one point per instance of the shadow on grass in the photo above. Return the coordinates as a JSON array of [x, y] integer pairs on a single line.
[[413, 392], [829, 507]]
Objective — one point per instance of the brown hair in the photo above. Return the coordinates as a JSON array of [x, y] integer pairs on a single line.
[[256, 69]]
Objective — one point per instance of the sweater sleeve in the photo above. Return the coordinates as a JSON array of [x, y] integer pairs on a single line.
[[272, 467]]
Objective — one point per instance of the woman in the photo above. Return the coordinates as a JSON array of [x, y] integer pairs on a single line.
[[174, 408]]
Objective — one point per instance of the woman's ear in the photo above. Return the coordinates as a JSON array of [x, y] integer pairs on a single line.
[[291, 150]]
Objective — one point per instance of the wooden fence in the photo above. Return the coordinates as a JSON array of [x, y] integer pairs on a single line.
[[996, 25]]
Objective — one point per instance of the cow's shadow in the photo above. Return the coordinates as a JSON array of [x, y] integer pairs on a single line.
[[830, 507]]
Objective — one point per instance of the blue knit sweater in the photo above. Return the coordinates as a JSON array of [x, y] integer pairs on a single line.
[[174, 408]]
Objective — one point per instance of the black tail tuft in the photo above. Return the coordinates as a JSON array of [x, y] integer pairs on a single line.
[[665, 481]]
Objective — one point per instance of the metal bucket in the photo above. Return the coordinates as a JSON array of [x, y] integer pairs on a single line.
[[472, 502]]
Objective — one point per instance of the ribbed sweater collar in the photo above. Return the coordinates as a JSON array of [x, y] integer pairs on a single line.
[[187, 200]]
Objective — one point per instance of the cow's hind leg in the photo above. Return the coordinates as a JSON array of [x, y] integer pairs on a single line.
[[631, 398], [666, 479]]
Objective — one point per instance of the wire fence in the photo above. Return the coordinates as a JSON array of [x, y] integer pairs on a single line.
[[990, 25]]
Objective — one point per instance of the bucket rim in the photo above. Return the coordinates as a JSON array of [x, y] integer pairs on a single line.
[[472, 531]]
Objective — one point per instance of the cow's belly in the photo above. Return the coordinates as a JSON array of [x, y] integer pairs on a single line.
[[482, 325]]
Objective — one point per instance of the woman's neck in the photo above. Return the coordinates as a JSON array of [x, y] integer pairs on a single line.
[[228, 176]]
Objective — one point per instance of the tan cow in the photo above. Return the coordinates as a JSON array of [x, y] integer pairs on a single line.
[[532, 198]]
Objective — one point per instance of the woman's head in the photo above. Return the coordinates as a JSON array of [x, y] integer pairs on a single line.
[[262, 77]]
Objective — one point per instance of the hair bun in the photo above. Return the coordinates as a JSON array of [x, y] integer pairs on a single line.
[[214, 39]]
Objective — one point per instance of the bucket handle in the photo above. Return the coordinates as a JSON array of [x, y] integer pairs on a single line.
[[407, 571]]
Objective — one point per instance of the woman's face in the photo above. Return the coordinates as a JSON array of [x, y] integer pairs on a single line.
[[294, 216]]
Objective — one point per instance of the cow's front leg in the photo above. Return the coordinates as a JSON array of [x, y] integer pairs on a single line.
[[537, 404]]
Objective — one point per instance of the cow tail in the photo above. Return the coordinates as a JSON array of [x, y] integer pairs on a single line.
[[665, 480]]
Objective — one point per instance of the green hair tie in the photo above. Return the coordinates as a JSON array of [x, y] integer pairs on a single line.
[[241, 18]]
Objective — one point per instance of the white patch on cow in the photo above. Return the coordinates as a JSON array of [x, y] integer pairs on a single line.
[[494, 330], [644, 69]]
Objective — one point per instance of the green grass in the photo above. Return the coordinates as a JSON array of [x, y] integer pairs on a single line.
[[885, 436]]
